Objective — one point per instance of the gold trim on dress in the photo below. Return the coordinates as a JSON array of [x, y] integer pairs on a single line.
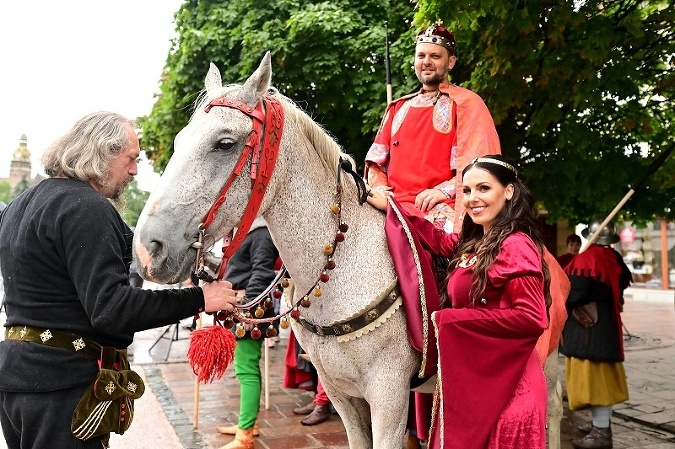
[[420, 281]]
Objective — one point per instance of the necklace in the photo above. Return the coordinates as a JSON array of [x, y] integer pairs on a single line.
[[466, 261]]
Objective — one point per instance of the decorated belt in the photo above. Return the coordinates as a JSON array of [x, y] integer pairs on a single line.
[[58, 339], [368, 316]]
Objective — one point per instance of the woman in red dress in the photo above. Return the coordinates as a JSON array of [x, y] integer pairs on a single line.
[[491, 390]]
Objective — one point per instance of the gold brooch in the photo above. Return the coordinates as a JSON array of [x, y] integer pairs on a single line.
[[466, 262]]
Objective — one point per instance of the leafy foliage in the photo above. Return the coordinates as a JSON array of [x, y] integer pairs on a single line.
[[328, 56], [21, 186], [134, 200], [5, 192], [581, 92]]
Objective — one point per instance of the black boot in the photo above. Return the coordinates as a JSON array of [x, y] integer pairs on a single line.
[[586, 427], [598, 438]]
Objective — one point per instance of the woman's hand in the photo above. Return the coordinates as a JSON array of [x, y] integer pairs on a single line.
[[428, 198], [218, 295]]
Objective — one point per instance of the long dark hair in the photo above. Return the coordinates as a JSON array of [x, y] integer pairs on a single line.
[[519, 214]]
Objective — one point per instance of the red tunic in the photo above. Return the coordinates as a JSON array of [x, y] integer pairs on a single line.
[[424, 142]]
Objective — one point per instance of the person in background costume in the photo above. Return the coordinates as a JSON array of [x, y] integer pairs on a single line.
[[436, 131], [318, 410], [300, 373], [251, 271], [594, 355], [491, 390], [573, 243], [65, 254]]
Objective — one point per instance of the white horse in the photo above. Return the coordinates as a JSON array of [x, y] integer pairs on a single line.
[[367, 378]]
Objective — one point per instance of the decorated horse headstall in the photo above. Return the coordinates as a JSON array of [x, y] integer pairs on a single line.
[[262, 147]]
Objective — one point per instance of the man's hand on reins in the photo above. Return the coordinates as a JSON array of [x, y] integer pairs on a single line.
[[218, 295]]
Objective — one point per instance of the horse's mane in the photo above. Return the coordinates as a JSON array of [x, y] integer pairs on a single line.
[[327, 148]]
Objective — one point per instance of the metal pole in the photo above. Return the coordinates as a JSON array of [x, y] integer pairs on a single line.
[[664, 255]]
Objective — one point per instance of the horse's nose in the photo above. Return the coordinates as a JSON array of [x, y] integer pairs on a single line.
[[147, 253]]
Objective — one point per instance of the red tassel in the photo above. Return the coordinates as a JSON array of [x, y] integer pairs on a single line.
[[210, 353]]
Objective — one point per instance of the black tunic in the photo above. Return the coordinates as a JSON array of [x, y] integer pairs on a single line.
[[65, 253], [251, 268]]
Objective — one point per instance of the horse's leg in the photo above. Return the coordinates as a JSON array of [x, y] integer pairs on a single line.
[[555, 406], [355, 414], [389, 413]]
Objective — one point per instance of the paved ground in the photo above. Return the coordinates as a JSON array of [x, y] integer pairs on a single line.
[[165, 414]]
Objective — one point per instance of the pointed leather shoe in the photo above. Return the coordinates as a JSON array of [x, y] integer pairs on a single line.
[[232, 430], [304, 410], [598, 438], [242, 440], [318, 415]]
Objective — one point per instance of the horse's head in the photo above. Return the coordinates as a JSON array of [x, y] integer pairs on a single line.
[[205, 154]]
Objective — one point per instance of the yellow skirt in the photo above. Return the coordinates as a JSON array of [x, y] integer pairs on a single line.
[[594, 383]]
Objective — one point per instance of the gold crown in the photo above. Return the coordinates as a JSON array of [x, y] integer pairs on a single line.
[[488, 160], [432, 36]]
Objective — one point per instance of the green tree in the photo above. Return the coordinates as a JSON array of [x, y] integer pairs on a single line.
[[21, 186], [581, 92], [328, 56], [5, 192], [134, 199]]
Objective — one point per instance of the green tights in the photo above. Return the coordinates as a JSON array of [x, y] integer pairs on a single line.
[[247, 369]]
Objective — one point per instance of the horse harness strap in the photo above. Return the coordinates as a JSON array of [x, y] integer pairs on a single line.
[[340, 328], [262, 146]]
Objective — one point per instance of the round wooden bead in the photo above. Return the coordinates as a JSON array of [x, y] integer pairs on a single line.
[[255, 333]]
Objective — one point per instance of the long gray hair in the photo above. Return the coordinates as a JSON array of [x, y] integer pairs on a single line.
[[85, 151]]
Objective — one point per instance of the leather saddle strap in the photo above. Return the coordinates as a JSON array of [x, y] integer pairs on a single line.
[[57, 339], [358, 322]]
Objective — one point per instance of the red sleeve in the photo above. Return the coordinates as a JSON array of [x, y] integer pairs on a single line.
[[433, 239]]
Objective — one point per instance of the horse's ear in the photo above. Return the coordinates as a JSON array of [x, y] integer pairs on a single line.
[[259, 82], [213, 78]]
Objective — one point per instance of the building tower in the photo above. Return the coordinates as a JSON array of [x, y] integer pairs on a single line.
[[20, 166]]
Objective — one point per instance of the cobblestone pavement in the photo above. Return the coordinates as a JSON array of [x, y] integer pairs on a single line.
[[165, 414]]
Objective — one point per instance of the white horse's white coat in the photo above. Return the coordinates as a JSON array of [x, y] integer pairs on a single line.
[[368, 378]]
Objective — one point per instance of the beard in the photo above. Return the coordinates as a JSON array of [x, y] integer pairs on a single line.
[[116, 195], [432, 80]]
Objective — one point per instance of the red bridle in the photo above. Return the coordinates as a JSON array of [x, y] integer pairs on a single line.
[[263, 151]]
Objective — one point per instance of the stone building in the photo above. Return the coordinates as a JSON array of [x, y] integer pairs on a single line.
[[20, 167]]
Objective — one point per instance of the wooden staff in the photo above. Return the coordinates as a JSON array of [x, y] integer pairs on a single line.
[[387, 68], [650, 170], [195, 399], [266, 376]]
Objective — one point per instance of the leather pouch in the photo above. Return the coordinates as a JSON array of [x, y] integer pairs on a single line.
[[586, 315], [108, 404]]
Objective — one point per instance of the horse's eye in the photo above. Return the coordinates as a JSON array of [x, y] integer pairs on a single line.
[[225, 144]]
